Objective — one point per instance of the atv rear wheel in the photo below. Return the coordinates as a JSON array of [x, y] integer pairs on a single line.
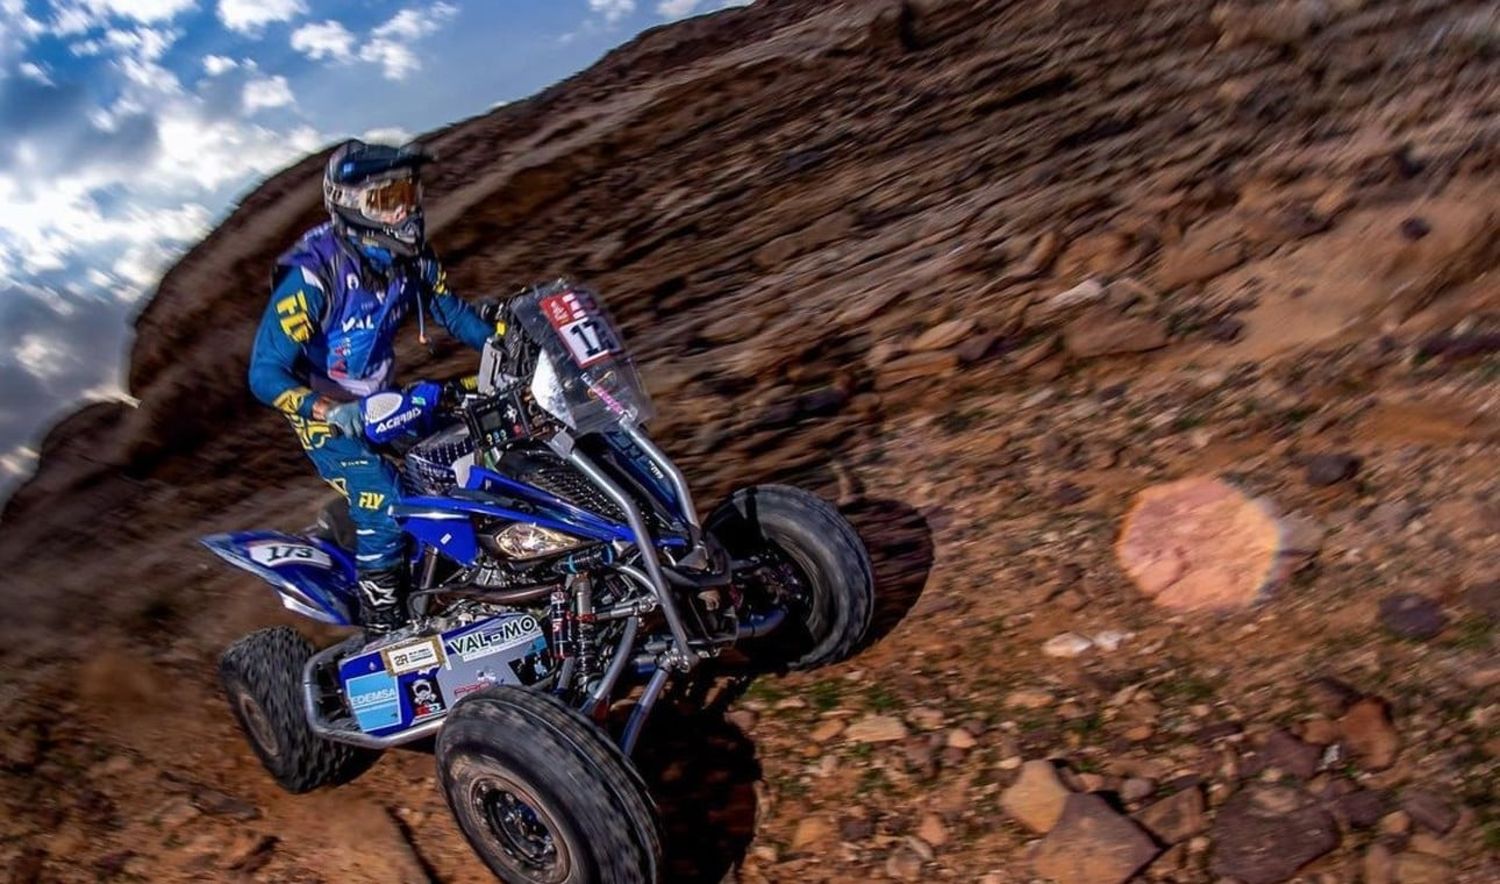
[[807, 558], [262, 678], [542, 795]]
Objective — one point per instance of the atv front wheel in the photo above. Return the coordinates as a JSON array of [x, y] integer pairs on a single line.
[[542, 795], [795, 550], [262, 677]]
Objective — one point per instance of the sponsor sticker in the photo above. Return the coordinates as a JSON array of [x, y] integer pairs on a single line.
[[494, 638], [275, 554], [575, 317], [418, 656], [374, 702], [425, 698]]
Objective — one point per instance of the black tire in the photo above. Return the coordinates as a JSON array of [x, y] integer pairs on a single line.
[[809, 532], [568, 789], [262, 678]]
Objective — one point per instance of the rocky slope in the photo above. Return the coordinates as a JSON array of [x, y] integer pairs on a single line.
[[983, 272]]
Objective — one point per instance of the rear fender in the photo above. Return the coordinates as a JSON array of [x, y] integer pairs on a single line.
[[313, 578]]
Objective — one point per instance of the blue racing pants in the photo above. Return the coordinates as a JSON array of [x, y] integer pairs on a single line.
[[370, 483]]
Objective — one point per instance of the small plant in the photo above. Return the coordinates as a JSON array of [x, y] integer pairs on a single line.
[[882, 700], [824, 695], [766, 691]]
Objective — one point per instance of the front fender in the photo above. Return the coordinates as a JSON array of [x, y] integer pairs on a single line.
[[313, 578]]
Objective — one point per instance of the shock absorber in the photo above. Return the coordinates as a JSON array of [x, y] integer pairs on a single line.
[[558, 615], [588, 652]]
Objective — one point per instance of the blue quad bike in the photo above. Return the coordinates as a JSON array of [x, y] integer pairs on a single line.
[[561, 573]]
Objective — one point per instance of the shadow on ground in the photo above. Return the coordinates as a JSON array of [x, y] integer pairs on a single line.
[[702, 770]]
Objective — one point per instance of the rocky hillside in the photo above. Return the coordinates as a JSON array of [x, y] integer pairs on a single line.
[[1013, 282]]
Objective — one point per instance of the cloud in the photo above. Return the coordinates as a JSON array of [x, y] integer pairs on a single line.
[[386, 135], [673, 9], [250, 16], [77, 16], [325, 39], [34, 71], [389, 45], [612, 10], [267, 92], [214, 65]]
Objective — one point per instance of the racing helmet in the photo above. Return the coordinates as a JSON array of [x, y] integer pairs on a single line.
[[373, 192]]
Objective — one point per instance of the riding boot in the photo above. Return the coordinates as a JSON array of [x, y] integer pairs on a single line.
[[382, 598]]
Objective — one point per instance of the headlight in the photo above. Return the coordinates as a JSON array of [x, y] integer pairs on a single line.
[[521, 540]]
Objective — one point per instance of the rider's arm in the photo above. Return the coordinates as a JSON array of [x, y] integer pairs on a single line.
[[453, 312], [285, 328]]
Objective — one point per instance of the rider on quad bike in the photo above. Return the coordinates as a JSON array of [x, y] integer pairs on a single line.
[[327, 341]]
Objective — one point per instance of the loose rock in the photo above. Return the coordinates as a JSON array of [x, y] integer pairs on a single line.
[[1412, 616], [812, 831], [1370, 735], [1036, 798], [1091, 844], [1484, 598], [1379, 866], [1361, 809], [1067, 645], [1330, 469], [1286, 752], [1103, 332], [932, 830], [1421, 868], [1264, 834], [1175, 818], [1429, 811], [1029, 699], [876, 729]]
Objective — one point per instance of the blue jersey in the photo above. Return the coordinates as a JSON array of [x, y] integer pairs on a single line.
[[330, 329]]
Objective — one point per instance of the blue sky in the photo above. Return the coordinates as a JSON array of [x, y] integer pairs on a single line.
[[129, 127]]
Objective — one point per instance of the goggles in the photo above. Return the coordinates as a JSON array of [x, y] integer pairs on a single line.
[[386, 202]]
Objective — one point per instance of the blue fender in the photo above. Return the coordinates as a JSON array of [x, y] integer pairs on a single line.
[[313, 577]]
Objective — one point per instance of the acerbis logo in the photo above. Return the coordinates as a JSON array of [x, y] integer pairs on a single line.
[[399, 420]]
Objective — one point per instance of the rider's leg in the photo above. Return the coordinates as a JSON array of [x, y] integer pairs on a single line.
[[372, 486]]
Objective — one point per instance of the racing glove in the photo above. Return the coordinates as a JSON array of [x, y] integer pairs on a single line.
[[346, 417]]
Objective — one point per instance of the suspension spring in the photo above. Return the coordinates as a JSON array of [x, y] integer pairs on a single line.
[[588, 650], [558, 614]]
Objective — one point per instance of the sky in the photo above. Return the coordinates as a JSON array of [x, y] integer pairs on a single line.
[[129, 128]]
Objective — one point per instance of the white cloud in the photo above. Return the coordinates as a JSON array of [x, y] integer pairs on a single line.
[[77, 16], [325, 39], [18, 462], [267, 92], [250, 16], [214, 65], [42, 356], [33, 71], [612, 10], [676, 8], [390, 44], [386, 135]]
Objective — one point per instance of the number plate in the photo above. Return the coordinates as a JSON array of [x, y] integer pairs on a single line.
[[576, 319]]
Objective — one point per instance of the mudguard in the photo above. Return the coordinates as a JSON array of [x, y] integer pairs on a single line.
[[313, 577]]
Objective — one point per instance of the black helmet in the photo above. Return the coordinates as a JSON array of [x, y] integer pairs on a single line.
[[374, 194]]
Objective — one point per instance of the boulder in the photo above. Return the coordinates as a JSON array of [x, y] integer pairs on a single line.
[[1105, 332], [1412, 616], [1036, 798], [1092, 844], [1264, 834], [1175, 818]]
